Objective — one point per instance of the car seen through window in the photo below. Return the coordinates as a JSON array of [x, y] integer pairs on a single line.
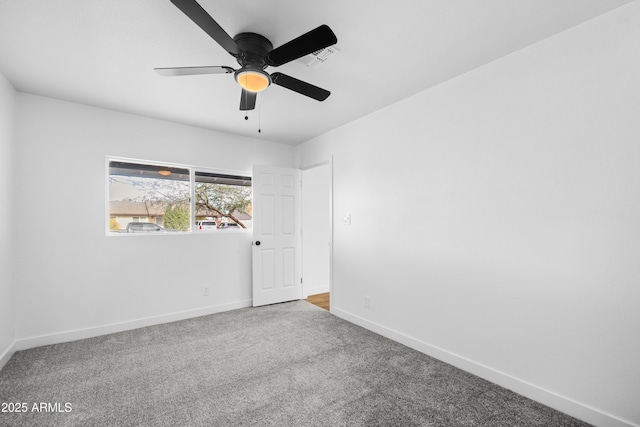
[[144, 227], [206, 225]]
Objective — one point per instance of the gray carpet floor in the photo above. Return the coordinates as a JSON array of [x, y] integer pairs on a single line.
[[289, 364]]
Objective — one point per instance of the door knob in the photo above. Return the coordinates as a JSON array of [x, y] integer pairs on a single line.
[[257, 242]]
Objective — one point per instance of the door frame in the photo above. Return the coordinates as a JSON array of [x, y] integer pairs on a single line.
[[328, 162]]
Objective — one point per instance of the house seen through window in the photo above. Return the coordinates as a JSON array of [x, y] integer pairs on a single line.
[[157, 198]]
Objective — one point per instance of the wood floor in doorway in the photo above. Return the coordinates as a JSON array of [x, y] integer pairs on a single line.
[[321, 300]]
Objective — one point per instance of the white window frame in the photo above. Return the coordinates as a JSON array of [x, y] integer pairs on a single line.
[[192, 207]]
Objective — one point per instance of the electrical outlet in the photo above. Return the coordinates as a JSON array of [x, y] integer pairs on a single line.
[[367, 302], [205, 291], [347, 219]]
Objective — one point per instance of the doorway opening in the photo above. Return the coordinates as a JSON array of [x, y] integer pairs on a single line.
[[317, 233]]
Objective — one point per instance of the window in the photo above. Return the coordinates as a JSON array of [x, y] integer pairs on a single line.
[[224, 200], [156, 197], [149, 197]]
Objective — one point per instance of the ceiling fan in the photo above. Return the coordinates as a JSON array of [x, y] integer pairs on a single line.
[[254, 53]]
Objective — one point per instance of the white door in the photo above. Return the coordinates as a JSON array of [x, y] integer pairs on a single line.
[[276, 235]]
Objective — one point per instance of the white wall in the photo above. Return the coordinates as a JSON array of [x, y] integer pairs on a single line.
[[510, 199], [73, 281], [7, 299]]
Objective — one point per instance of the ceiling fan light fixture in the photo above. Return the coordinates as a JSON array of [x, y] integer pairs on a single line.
[[253, 80]]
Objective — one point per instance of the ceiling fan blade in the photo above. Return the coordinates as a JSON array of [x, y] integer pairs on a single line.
[[192, 71], [247, 100], [314, 40], [299, 86], [193, 10]]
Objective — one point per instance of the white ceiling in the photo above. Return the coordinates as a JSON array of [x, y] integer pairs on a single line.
[[102, 53]]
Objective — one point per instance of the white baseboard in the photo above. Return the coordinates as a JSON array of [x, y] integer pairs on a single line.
[[546, 397], [4, 357], [78, 334]]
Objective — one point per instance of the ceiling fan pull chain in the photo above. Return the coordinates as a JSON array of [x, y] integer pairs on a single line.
[[246, 102], [260, 117]]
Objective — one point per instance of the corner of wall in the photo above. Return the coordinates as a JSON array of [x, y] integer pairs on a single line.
[[7, 152], [4, 357]]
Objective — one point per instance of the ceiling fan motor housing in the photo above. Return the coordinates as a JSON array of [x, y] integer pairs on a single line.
[[254, 48]]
